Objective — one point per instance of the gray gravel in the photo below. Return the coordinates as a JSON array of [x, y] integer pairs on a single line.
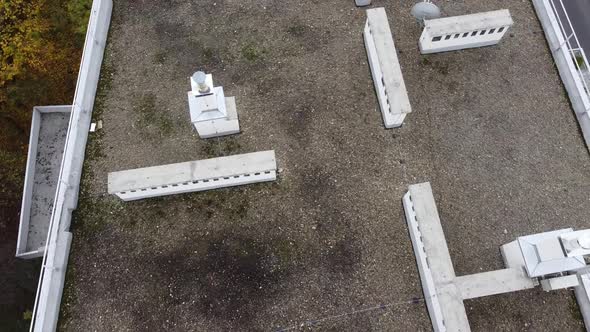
[[491, 129]]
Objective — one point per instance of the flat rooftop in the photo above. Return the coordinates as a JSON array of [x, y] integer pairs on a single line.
[[491, 129]]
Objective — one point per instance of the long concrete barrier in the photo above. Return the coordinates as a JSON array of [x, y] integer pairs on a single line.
[[192, 176]]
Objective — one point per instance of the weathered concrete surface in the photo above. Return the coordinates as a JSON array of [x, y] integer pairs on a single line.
[[491, 129], [52, 136]]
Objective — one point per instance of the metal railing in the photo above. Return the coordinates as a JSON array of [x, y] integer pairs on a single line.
[[576, 51]]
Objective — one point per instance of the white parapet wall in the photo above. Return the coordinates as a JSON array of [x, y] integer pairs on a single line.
[[385, 69], [566, 65], [192, 176], [49, 126], [465, 31], [57, 248]]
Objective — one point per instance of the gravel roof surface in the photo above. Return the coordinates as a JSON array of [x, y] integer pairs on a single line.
[[491, 129]]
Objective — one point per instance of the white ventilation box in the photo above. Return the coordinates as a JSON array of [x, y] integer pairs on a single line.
[[385, 69], [192, 176]]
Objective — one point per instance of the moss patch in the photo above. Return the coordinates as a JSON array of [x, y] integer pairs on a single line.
[[152, 120], [252, 52], [222, 146]]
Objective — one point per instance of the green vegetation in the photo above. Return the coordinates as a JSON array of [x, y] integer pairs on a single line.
[[580, 61], [27, 315], [160, 57], [208, 54], [220, 147], [297, 30], [152, 117], [252, 52]]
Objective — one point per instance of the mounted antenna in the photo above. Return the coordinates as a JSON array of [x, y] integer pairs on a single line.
[[425, 10]]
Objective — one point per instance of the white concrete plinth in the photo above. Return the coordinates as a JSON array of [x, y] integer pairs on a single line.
[[465, 31], [212, 114], [385, 69], [228, 125], [192, 176], [512, 256]]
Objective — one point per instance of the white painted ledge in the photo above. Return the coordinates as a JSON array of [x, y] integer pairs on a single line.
[[192, 176], [385, 69]]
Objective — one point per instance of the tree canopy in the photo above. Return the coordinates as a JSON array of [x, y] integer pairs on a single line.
[[40, 47]]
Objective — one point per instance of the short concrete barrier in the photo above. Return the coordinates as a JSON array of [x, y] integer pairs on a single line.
[[385, 68], [465, 31]]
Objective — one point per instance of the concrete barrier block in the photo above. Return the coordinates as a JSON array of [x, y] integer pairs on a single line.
[[385, 69], [465, 31], [192, 176]]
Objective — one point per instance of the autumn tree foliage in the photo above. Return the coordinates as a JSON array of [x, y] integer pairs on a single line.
[[40, 47]]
